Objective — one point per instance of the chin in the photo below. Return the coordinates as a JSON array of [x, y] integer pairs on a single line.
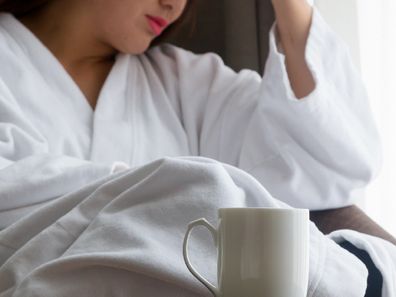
[[136, 49]]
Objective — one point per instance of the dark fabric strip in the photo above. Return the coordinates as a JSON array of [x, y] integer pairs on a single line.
[[374, 280]]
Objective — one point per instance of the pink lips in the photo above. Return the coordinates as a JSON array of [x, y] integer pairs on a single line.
[[157, 24]]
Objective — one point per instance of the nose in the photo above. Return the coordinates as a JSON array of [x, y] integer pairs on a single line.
[[174, 8]]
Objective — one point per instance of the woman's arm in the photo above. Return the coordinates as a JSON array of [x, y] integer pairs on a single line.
[[316, 153], [293, 18]]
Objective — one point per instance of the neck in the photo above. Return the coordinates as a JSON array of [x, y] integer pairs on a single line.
[[69, 35]]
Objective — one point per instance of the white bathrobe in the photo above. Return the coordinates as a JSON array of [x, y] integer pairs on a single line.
[[318, 152]]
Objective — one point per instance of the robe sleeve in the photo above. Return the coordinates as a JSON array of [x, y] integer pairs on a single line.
[[29, 174], [318, 152]]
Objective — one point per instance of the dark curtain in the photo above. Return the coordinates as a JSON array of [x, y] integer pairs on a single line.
[[237, 30]]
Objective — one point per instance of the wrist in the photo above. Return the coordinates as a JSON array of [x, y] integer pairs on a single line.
[[293, 23]]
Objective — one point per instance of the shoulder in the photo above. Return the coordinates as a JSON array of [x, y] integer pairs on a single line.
[[7, 43], [180, 57], [168, 59], [175, 51], [10, 52], [8, 62]]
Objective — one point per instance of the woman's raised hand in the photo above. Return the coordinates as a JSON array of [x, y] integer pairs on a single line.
[[293, 18]]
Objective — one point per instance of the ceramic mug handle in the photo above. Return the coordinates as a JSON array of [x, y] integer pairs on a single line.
[[200, 222]]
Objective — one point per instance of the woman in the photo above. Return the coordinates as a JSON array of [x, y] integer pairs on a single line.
[[83, 95]]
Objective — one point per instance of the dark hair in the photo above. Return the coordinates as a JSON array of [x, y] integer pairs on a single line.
[[19, 7], [188, 17]]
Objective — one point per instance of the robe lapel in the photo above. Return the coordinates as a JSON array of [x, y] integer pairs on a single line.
[[113, 118]]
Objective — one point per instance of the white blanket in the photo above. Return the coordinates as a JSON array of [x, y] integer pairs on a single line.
[[123, 234]]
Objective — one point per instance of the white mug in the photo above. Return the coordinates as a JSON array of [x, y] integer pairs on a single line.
[[262, 252]]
